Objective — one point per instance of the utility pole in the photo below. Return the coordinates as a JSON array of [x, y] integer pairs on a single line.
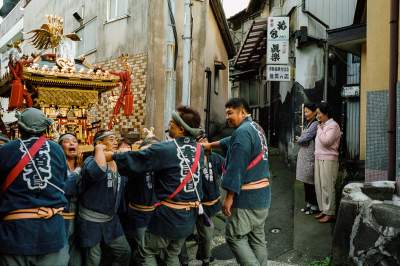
[[393, 78], [187, 47]]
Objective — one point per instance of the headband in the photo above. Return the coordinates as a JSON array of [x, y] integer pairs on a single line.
[[103, 135], [63, 136], [195, 132]]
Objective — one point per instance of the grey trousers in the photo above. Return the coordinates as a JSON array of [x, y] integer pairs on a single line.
[[120, 253], [155, 244], [326, 172], [136, 241], [245, 235], [205, 237], [59, 258]]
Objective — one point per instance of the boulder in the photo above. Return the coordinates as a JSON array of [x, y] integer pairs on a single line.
[[387, 215], [379, 190]]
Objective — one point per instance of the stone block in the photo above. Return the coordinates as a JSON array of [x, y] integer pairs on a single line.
[[348, 210], [365, 238], [387, 215], [393, 247], [379, 190]]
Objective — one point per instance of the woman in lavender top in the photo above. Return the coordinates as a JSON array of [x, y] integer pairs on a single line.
[[305, 158]]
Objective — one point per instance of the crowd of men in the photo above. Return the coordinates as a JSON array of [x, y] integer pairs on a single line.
[[133, 207]]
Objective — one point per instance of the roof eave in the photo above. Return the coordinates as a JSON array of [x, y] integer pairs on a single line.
[[219, 15]]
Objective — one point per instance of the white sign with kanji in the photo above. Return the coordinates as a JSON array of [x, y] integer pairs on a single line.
[[278, 73], [278, 29], [277, 52]]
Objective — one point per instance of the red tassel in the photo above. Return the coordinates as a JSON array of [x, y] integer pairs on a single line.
[[128, 107]]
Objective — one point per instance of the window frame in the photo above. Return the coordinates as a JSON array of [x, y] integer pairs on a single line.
[[83, 28], [116, 16]]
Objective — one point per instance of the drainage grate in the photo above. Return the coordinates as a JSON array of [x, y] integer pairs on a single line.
[[275, 230]]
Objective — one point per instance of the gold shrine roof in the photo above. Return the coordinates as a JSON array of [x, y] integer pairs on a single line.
[[50, 77]]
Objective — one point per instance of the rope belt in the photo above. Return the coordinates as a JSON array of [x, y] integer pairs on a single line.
[[142, 208], [180, 205], [262, 183], [212, 202], [68, 215], [33, 213], [93, 216]]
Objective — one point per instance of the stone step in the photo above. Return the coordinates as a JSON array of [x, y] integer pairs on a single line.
[[233, 262]]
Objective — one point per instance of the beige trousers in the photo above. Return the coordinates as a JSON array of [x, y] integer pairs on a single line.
[[326, 172]]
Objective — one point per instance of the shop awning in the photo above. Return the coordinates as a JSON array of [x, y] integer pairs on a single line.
[[254, 45], [348, 38]]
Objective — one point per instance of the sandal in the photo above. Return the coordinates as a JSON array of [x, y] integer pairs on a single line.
[[305, 209], [312, 211]]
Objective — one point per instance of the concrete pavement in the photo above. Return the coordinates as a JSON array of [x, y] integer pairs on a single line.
[[293, 238]]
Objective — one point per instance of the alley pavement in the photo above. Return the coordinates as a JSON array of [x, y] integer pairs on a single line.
[[293, 238]]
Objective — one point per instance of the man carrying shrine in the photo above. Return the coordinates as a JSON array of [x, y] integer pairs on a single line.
[[33, 173], [177, 184], [246, 181], [101, 193]]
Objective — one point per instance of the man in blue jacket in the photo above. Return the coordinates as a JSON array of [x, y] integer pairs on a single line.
[[177, 184], [246, 181], [101, 193], [32, 230]]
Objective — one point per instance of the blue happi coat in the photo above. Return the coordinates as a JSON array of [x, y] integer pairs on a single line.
[[100, 193], [169, 169], [245, 144], [139, 191], [33, 236], [212, 171]]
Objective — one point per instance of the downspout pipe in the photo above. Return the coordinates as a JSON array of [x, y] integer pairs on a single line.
[[208, 106], [393, 78], [187, 47]]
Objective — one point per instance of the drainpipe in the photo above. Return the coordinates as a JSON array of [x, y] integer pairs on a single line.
[[187, 43], [170, 66], [393, 68], [326, 59], [208, 107]]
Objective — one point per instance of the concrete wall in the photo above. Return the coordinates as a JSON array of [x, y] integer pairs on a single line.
[[207, 46], [374, 82], [214, 51], [125, 35]]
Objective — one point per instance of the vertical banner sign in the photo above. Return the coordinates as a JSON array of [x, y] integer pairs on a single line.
[[278, 49]]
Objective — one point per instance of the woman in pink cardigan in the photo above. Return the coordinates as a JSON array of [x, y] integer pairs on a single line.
[[327, 144]]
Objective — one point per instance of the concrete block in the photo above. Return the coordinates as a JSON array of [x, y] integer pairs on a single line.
[[348, 211], [365, 239], [379, 190], [387, 215]]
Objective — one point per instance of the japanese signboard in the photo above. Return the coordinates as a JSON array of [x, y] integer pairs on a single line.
[[278, 49], [278, 73], [277, 52], [278, 29]]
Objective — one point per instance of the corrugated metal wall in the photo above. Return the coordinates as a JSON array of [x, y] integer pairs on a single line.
[[353, 129], [353, 69], [352, 134], [335, 13]]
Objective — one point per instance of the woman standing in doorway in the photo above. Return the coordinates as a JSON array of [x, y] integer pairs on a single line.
[[306, 159], [326, 162]]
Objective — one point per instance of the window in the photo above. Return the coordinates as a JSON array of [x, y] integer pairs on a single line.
[[88, 35], [249, 90], [216, 81], [116, 9]]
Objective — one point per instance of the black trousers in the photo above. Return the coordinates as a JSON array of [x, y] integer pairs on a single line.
[[309, 191]]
